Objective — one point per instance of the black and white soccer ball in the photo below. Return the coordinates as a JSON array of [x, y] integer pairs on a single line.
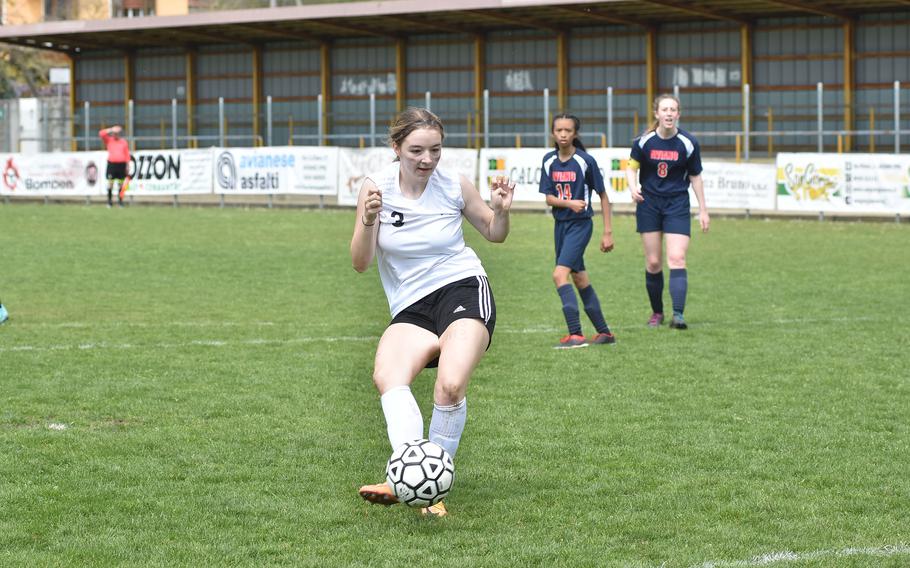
[[420, 473]]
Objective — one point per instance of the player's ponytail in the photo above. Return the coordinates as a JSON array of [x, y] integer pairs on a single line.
[[656, 105], [575, 141], [410, 120]]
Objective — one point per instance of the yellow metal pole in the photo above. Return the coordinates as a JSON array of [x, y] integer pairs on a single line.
[[518, 140], [72, 65], [290, 130], [635, 129], [840, 143], [257, 91], [562, 73], [162, 134], [849, 53], [872, 129], [745, 53], [770, 128], [469, 136], [480, 71], [401, 81], [603, 140], [190, 98], [129, 84], [650, 68], [325, 58]]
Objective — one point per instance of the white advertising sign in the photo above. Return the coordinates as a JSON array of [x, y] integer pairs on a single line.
[[729, 185], [309, 170], [63, 173], [169, 172], [613, 162], [523, 166], [849, 183], [354, 164]]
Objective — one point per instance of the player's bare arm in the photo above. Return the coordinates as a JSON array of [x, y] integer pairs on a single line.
[[698, 187], [576, 205], [491, 221], [606, 241], [632, 178], [366, 225]]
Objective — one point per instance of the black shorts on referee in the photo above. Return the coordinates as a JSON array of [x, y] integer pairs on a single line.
[[467, 298], [116, 170]]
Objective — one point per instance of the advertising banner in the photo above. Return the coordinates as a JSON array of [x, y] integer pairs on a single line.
[[354, 164], [729, 185], [523, 166], [63, 173], [848, 183], [169, 172], [308, 170], [613, 162]]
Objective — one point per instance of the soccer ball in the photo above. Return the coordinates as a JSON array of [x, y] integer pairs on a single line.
[[420, 473]]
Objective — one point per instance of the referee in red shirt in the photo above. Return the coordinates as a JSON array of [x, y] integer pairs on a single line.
[[118, 160]]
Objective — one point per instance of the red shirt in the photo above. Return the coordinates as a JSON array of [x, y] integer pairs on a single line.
[[118, 149]]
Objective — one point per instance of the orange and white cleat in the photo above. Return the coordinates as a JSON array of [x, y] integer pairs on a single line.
[[437, 510], [379, 494]]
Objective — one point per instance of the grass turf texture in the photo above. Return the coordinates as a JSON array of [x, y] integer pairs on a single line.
[[192, 387]]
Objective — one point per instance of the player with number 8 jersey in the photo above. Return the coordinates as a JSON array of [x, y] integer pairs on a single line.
[[664, 161]]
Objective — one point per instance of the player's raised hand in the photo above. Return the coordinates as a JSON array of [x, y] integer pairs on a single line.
[[502, 189], [372, 205]]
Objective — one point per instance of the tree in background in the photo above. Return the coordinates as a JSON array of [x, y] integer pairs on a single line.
[[24, 72]]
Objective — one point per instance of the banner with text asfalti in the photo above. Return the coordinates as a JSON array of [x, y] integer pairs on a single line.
[[306, 170], [845, 183], [58, 174], [355, 164], [170, 172]]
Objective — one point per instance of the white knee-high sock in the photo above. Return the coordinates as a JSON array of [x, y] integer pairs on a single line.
[[447, 424], [402, 416]]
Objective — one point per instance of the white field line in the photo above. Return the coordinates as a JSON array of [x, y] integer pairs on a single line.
[[541, 329], [773, 558], [197, 342]]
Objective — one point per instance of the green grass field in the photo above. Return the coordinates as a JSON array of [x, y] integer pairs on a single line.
[[191, 387]]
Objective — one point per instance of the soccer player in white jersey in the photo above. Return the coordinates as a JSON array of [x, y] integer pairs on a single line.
[[409, 216]]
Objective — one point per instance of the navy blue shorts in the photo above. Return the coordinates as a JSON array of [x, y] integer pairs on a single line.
[[664, 213], [572, 238], [470, 297]]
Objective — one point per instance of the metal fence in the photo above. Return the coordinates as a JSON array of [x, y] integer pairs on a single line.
[[46, 125]]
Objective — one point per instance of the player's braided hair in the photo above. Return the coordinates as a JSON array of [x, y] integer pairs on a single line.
[[410, 120], [575, 141]]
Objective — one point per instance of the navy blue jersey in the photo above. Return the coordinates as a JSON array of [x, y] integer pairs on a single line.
[[577, 178], [666, 164]]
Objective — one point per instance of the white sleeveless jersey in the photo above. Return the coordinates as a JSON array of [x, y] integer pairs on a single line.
[[421, 246]]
